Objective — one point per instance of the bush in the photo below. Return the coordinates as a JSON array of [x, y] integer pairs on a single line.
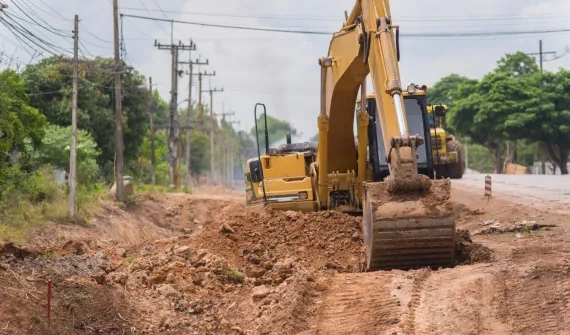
[[29, 199], [55, 151]]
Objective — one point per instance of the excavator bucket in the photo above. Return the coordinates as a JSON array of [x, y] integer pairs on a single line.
[[407, 230]]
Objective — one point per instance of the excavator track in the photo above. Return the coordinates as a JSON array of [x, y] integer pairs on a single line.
[[410, 230]]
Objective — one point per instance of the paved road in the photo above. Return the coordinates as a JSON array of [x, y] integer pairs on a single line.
[[554, 189]]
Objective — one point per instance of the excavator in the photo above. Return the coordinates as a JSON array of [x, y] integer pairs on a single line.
[[447, 150], [387, 175]]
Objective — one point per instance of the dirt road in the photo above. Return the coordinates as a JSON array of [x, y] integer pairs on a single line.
[[541, 190], [196, 264], [524, 290]]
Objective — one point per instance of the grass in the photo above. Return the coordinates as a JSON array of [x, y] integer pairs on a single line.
[[36, 198], [235, 276]]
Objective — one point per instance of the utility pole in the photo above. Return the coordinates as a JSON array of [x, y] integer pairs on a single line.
[[173, 131], [151, 112], [201, 109], [189, 115], [541, 53], [213, 121], [120, 195], [73, 151], [201, 76], [231, 160], [222, 160]]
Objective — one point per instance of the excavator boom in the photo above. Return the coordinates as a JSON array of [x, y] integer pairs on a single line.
[[407, 218]]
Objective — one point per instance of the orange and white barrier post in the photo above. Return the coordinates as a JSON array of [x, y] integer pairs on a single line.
[[488, 187]]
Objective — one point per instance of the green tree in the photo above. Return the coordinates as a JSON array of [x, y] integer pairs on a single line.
[[276, 131], [446, 89], [200, 157], [21, 130], [19, 122], [51, 81], [517, 65], [56, 149]]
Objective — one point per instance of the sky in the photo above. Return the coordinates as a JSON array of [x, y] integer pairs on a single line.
[[280, 69]]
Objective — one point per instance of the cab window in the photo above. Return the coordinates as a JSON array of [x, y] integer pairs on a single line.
[[255, 170]]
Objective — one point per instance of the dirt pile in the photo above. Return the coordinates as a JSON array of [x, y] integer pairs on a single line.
[[436, 200], [200, 290], [79, 305], [469, 252], [258, 242]]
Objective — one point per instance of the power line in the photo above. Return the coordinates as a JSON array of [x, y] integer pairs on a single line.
[[310, 32], [336, 19], [22, 33]]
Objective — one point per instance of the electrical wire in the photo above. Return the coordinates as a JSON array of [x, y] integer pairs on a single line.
[[311, 32], [51, 28], [25, 34], [43, 42], [564, 53], [159, 26], [335, 18], [61, 17]]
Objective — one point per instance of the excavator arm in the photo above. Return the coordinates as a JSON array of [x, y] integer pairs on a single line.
[[407, 218]]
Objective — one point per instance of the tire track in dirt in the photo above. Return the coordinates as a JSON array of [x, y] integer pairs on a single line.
[[358, 303], [410, 321], [537, 296], [458, 301]]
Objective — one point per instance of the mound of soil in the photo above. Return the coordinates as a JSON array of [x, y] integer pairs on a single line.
[[257, 241], [469, 252]]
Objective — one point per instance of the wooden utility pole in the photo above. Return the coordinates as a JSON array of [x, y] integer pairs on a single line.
[[212, 126], [73, 151], [201, 109], [189, 115], [201, 76], [173, 130], [541, 54], [151, 112], [120, 195], [231, 159], [221, 160]]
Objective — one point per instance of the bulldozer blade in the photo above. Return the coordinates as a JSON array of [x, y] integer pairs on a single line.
[[408, 230]]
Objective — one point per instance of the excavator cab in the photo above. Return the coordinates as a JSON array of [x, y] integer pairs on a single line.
[[418, 123]]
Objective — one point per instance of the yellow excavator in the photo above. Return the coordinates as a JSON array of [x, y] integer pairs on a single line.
[[387, 176], [447, 150]]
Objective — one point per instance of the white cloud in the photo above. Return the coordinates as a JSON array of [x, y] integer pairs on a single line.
[[281, 69]]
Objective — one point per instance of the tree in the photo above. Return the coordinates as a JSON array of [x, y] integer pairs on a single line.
[[21, 130], [200, 158], [55, 152], [19, 122], [517, 65], [276, 131], [51, 81], [445, 90]]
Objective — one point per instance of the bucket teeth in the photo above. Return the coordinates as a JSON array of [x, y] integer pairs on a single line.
[[408, 231]]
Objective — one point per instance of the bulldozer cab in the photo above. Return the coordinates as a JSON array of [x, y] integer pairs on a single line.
[[418, 123]]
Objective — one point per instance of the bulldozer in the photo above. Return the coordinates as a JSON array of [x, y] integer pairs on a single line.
[[387, 176], [447, 150], [281, 177]]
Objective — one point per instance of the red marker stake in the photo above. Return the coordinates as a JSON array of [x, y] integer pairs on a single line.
[[49, 304]]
